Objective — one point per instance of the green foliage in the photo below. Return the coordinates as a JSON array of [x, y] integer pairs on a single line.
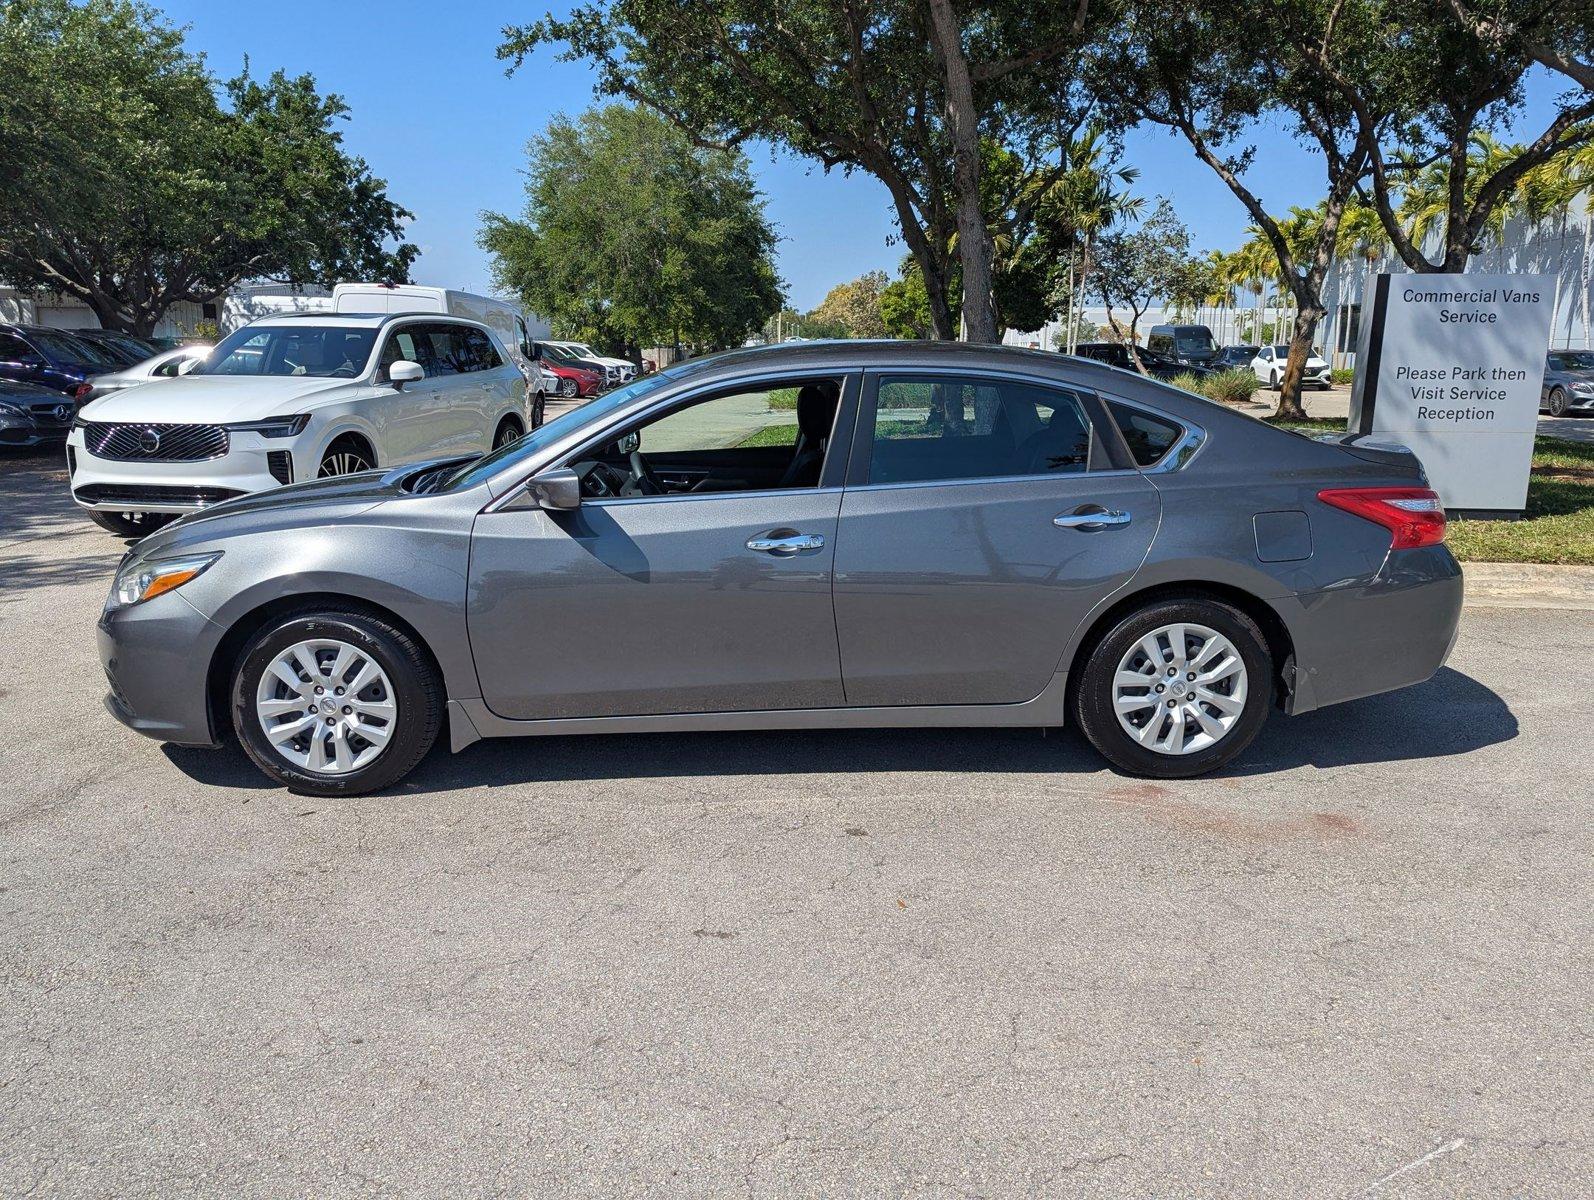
[[1344, 376], [1237, 385], [905, 305], [1135, 266], [1085, 330], [131, 186], [1187, 381], [634, 236]]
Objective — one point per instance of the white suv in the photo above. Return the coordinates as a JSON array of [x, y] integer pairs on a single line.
[[1268, 365], [290, 398]]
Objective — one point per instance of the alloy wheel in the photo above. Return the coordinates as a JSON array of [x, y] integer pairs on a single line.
[[344, 462], [507, 433], [1180, 689], [326, 706], [567, 387]]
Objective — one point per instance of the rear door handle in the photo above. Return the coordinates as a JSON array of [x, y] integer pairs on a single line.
[[786, 542], [1090, 518]]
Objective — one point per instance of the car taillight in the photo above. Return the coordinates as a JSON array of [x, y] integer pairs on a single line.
[[1413, 516]]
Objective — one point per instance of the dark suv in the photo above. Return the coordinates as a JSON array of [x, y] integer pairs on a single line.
[[51, 358], [1158, 366]]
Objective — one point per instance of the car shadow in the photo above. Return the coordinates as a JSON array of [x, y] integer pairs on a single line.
[[1450, 714]]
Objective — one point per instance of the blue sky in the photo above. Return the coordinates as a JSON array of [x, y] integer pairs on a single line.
[[434, 114]]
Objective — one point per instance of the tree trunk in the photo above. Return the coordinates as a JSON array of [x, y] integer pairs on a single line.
[[1300, 347], [974, 241]]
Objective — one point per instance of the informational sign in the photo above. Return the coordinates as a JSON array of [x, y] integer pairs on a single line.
[[1451, 366]]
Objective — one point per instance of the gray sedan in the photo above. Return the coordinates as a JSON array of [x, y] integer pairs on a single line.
[[821, 536], [1568, 383]]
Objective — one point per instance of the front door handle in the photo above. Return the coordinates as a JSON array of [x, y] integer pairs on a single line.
[[1091, 517], [786, 542]]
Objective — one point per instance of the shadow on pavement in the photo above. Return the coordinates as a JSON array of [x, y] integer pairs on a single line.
[[1450, 714]]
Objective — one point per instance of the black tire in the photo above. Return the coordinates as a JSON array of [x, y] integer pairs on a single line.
[[1558, 404], [508, 431], [346, 456], [416, 689], [539, 411], [131, 525], [1276, 381], [1093, 695]]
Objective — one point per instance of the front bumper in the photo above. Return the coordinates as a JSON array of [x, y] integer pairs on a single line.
[[156, 657], [1392, 632], [20, 435], [110, 485]]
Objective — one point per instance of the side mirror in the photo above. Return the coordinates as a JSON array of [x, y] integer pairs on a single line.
[[188, 364], [558, 489], [404, 371], [629, 443]]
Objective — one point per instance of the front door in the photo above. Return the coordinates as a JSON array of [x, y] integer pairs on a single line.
[[985, 524], [694, 577]]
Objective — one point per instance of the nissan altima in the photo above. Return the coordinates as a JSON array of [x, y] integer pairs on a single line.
[[824, 535]]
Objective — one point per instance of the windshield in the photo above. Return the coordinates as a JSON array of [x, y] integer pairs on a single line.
[[1188, 342], [490, 464], [62, 347], [333, 351], [1573, 360], [564, 360]]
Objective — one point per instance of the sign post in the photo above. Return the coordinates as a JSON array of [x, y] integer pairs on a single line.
[[1451, 366]]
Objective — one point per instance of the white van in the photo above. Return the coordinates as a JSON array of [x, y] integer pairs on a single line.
[[504, 319]]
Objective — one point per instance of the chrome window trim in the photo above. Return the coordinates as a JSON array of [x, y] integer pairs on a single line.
[[610, 501]]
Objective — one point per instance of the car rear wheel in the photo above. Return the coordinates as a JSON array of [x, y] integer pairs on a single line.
[[131, 525], [1558, 403], [1175, 689], [539, 411], [335, 704]]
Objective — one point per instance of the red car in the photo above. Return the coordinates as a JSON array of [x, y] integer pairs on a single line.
[[573, 381]]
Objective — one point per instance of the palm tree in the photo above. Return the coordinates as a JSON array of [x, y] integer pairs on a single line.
[[1361, 235], [1253, 267]]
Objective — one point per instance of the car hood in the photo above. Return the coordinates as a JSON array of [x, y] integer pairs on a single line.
[[1573, 374], [314, 502], [217, 398]]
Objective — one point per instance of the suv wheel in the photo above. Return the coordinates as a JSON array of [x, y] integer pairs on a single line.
[[131, 525], [345, 457], [508, 431], [335, 704], [1558, 403], [539, 410], [1175, 689]]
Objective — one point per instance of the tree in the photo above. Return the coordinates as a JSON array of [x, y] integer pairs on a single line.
[[1137, 266], [854, 307], [635, 236], [902, 91], [129, 185], [905, 306]]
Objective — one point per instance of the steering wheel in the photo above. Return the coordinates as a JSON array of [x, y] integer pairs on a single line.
[[642, 477], [345, 372]]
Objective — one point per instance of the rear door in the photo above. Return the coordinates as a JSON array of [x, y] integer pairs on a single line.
[[983, 519]]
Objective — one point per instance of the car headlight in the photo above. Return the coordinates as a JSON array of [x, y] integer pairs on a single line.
[[140, 581], [1583, 389], [272, 427], [11, 410]]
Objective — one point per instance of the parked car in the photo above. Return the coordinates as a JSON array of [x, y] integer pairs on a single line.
[[1084, 545], [1568, 382], [615, 370], [1188, 345], [503, 318], [123, 347], [1231, 357], [1116, 354], [575, 377], [167, 364], [1269, 367], [294, 397], [31, 415], [50, 358]]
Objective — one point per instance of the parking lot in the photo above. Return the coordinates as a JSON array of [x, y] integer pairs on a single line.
[[941, 963]]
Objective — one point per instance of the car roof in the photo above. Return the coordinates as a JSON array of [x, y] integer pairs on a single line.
[[353, 320]]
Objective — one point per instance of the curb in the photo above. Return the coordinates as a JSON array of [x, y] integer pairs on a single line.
[[1525, 585]]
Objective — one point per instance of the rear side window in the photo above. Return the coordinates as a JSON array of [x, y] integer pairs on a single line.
[[1149, 437], [929, 428], [478, 354]]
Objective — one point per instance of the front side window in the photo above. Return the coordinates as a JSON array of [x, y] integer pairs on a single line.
[[477, 350], [336, 352], [929, 428], [14, 349]]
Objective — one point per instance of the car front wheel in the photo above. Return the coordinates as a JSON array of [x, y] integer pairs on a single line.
[[1175, 689], [335, 704], [1558, 403]]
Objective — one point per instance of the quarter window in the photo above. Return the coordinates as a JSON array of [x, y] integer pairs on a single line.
[[929, 427], [1149, 438]]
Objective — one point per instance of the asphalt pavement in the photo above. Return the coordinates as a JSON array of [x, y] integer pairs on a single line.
[[943, 963]]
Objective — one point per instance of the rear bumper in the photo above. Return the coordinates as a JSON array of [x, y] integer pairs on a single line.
[[1393, 632], [156, 658]]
